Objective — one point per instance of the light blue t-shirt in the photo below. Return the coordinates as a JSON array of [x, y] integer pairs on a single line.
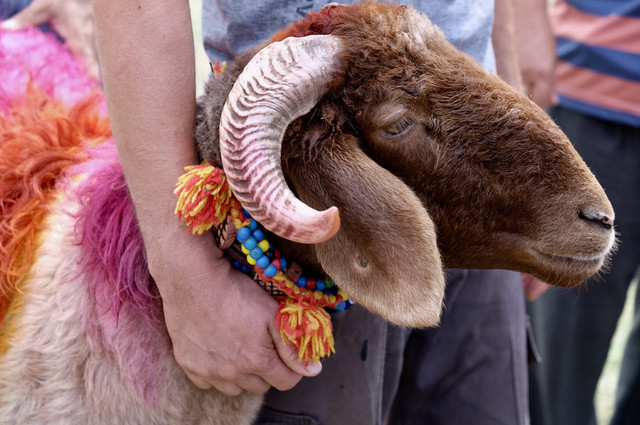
[[231, 27]]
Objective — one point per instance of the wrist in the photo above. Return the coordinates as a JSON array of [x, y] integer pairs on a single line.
[[173, 253]]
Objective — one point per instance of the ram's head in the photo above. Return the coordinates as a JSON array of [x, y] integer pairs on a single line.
[[379, 153]]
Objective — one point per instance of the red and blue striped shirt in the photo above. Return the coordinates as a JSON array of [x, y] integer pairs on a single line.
[[598, 47]]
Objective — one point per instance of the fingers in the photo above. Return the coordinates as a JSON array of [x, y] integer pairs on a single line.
[[289, 360], [542, 94], [533, 287], [234, 385], [279, 368], [35, 14]]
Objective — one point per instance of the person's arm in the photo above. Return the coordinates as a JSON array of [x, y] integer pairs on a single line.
[[71, 19], [222, 325], [509, 34], [504, 45], [536, 47]]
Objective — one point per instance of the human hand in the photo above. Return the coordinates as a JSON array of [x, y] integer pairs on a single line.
[[533, 287], [71, 19], [222, 324], [536, 48]]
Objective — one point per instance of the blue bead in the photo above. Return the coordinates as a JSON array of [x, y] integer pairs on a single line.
[[236, 264], [302, 282], [270, 271], [256, 253], [245, 269], [253, 225], [349, 304], [246, 213], [283, 263], [320, 285], [332, 290], [257, 235], [262, 262], [340, 306], [243, 234], [250, 243]]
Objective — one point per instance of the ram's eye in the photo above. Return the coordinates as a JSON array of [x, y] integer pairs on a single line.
[[399, 127]]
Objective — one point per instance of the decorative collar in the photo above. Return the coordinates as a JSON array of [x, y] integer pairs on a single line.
[[205, 201]]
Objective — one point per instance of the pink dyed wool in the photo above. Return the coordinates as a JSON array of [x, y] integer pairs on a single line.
[[30, 56]]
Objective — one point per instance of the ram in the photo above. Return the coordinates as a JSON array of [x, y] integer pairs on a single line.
[[369, 148]]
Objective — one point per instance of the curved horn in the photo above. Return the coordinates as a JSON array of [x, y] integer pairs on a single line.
[[281, 83]]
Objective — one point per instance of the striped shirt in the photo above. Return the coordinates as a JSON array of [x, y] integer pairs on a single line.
[[598, 47]]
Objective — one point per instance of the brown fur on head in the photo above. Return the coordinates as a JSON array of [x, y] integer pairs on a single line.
[[415, 131]]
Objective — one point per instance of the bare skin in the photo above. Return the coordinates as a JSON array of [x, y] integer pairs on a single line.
[[536, 48], [504, 44], [221, 324], [72, 19]]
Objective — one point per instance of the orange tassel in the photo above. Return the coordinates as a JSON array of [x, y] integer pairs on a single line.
[[204, 197], [307, 327]]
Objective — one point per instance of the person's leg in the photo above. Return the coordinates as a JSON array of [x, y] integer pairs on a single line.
[[573, 327], [351, 387], [472, 369]]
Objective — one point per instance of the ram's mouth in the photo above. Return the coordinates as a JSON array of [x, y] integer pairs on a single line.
[[568, 270], [585, 261]]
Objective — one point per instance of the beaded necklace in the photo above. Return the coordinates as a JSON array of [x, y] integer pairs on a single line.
[[205, 201]]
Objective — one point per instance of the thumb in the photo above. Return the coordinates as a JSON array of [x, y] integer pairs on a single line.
[[34, 14], [289, 355]]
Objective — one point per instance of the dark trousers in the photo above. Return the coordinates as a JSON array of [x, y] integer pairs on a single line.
[[469, 370], [472, 370], [574, 327]]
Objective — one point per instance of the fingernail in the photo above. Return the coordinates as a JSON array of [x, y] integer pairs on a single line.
[[10, 25], [314, 368]]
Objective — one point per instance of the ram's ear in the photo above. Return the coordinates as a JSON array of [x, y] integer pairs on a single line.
[[385, 254]]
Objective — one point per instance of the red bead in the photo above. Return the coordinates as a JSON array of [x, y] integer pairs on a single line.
[[275, 251], [311, 284], [276, 263]]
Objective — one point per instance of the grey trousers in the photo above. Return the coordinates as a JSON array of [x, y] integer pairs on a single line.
[[573, 327], [469, 370]]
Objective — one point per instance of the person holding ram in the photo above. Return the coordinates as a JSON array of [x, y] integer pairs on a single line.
[[370, 150]]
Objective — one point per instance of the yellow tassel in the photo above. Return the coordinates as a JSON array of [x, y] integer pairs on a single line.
[[307, 327], [204, 197]]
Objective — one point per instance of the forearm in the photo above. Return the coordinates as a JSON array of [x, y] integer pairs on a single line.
[[536, 49], [528, 16], [146, 50], [504, 43]]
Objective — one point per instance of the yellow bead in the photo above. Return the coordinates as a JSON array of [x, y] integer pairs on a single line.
[[343, 294], [318, 294], [251, 260], [264, 244], [245, 250]]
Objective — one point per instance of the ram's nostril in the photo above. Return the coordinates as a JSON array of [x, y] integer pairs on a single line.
[[597, 217]]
